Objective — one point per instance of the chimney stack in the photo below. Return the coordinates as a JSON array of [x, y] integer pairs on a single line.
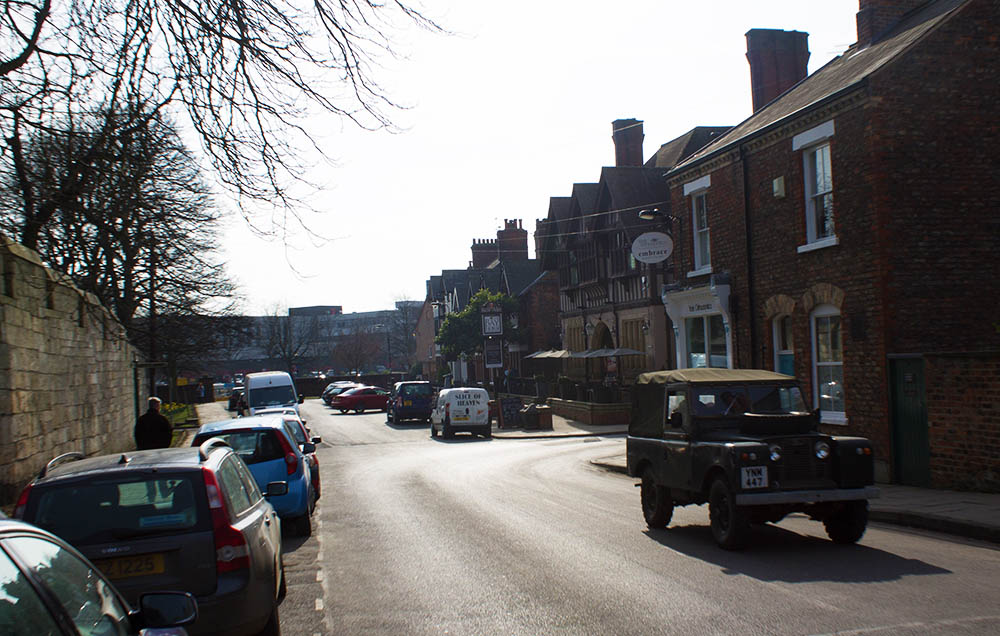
[[627, 135], [876, 16], [778, 61], [484, 252], [512, 241]]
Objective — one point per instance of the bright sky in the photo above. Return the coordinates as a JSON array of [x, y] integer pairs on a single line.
[[513, 110]]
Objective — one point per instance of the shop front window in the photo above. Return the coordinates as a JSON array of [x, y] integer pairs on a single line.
[[706, 342]]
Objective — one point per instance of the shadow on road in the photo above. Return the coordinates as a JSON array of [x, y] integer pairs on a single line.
[[408, 425], [461, 438], [777, 554]]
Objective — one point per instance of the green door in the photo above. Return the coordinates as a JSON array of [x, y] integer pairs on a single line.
[[908, 410]]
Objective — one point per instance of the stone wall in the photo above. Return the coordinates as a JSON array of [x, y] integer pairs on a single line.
[[66, 375]]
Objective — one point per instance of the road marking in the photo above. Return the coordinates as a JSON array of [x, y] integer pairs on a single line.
[[319, 605], [319, 576]]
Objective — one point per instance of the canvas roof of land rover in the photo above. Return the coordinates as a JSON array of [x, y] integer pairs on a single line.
[[162, 519]]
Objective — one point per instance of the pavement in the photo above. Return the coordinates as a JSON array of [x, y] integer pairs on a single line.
[[973, 515]]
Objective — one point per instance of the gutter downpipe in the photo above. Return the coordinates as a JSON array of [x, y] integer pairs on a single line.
[[751, 299]]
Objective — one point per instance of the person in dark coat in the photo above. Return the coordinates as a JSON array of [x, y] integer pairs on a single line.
[[153, 430]]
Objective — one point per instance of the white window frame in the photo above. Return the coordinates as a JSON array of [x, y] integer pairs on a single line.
[[824, 311], [811, 142], [698, 188], [702, 254]]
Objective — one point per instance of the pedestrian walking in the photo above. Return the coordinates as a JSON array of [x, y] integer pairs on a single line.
[[153, 430]]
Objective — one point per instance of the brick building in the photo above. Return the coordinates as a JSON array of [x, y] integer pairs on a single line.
[[846, 233], [607, 298], [499, 265]]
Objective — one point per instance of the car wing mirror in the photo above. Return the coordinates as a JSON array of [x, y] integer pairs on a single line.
[[308, 447], [166, 609], [276, 489], [302, 398], [316, 440], [676, 420]]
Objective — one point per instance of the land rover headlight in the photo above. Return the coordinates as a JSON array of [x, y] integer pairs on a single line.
[[775, 452], [822, 450]]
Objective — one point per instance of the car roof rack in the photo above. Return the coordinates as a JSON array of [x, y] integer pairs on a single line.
[[55, 461], [207, 446]]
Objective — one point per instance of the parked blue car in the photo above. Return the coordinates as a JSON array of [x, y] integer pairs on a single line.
[[269, 449]]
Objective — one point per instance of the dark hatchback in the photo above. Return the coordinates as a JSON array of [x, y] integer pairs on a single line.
[[186, 519], [47, 587], [410, 401]]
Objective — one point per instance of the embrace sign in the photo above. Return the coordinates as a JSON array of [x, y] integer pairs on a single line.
[[652, 247]]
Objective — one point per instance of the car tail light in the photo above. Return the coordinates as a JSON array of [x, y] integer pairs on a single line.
[[22, 502], [231, 550], [447, 409], [291, 459]]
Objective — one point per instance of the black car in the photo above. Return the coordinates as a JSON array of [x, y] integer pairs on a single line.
[[47, 587], [410, 401], [336, 388], [189, 519], [744, 442]]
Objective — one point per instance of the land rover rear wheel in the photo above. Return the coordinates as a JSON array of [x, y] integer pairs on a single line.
[[730, 523], [657, 507], [848, 524]]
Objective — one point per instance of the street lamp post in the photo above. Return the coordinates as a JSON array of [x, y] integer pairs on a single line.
[[152, 313], [657, 252]]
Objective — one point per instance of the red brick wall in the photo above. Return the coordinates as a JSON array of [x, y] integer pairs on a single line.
[[938, 141], [727, 231], [963, 418], [540, 313], [846, 275]]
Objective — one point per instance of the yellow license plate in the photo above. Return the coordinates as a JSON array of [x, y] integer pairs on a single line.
[[124, 567], [407, 403]]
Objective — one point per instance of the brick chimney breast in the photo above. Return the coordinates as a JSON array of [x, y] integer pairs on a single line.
[[877, 16], [778, 61], [627, 135]]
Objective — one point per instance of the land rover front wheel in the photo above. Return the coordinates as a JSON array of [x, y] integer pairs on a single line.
[[657, 507], [848, 524], [730, 523]]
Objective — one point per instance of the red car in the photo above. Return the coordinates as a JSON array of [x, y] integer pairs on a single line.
[[360, 399]]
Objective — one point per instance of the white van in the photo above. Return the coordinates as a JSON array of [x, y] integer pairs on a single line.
[[269, 389], [462, 409]]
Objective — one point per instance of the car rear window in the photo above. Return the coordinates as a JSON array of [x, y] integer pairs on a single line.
[[110, 509], [252, 445], [416, 390]]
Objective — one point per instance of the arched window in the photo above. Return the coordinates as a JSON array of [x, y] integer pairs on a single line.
[[828, 364]]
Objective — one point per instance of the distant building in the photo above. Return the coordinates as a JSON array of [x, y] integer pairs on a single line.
[[317, 310]]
